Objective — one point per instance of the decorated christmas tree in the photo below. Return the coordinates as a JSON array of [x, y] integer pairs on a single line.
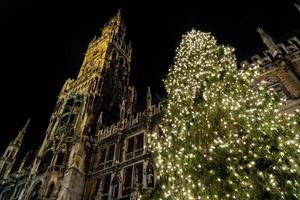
[[223, 135]]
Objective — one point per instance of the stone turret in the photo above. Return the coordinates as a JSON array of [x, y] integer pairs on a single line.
[[268, 41], [9, 157]]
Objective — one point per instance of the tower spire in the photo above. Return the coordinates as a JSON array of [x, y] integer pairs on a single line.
[[98, 48], [18, 140], [9, 157], [268, 41], [149, 101], [119, 16], [21, 167]]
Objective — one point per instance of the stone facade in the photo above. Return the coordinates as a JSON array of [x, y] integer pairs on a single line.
[[96, 144], [281, 64]]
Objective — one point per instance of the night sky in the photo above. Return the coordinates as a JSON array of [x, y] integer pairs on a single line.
[[42, 44]]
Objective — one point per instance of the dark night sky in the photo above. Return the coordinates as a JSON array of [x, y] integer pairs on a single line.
[[42, 44]]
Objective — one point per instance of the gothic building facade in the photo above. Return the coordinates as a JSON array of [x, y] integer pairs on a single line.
[[95, 146], [96, 143]]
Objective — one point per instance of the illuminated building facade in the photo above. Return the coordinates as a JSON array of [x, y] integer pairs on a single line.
[[96, 143]]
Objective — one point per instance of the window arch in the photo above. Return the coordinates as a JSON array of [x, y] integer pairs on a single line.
[[115, 187], [113, 54], [50, 190], [121, 62], [45, 162], [60, 159]]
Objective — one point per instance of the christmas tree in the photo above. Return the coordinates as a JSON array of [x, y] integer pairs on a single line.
[[223, 135]]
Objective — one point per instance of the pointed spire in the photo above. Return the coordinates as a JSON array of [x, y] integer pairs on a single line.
[[268, 41], [119, 15], [149, 97], [116, 20], [149, 101], [26, 125], [18, 140], [123, 110], [100, 120], [21, 167]]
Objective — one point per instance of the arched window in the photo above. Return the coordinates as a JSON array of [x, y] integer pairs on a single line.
[[60, 158], [106, 186], [115, 188], [69, 105], [113, 55], [35, 192], [122, 61], [50, 190], [45, 163]]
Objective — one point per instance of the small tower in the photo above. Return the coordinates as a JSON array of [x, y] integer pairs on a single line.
[[268, 41], [10, 154], [149, 102], [21, 167]]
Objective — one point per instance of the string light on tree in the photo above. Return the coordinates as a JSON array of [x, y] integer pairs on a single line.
[[222, 136]]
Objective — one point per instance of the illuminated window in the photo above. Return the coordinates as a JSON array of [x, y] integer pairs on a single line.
[[134, 146], [50, 190]]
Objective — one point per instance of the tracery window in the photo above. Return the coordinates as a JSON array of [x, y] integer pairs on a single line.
[[132, 178], [134, 146], [106, 156], [105, 187]]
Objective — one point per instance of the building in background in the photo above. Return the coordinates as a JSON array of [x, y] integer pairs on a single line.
[[96, 144]]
